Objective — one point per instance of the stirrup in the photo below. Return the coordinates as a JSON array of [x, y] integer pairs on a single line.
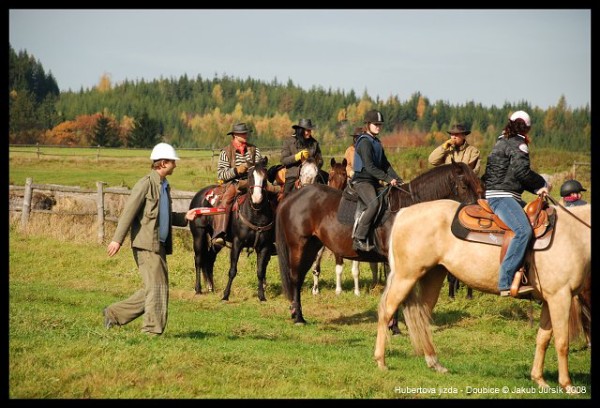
[[519, 279]]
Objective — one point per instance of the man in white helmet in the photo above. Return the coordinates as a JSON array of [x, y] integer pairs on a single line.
[[148, 214]]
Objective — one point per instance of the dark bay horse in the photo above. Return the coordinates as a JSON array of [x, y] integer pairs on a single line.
[[251, 226], [338, 179], [423, 248], [308, 221]]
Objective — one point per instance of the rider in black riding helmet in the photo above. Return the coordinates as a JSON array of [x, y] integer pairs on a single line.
[[570, 191], [370, 167]]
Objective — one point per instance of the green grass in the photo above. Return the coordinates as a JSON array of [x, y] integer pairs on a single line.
[[59, 283], [58, 347]]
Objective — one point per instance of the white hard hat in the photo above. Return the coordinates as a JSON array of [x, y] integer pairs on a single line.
[[163, 151], [521, 115]]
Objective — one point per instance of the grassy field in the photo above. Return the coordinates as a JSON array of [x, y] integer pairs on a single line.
[[196, 169], [59, 348]]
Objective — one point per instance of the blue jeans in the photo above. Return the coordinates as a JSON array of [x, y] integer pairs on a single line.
[[511, 212]]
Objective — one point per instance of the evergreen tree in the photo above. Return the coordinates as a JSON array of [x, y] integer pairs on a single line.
[[105, 134], [146, 132]]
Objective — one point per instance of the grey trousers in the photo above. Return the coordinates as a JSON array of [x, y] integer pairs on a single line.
[[151, 301]]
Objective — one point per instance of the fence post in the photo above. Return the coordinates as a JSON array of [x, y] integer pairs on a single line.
[[38, 150], [100, 208], [98, 154], [26, 202]]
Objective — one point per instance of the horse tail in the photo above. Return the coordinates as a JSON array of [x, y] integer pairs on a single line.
[[283, 257], [417, 318], [575, 325]]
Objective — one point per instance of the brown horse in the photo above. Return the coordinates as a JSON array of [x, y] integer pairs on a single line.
[[423, 249], [338, 179], [308, 220]]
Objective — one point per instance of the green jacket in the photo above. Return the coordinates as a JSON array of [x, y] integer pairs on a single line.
[[141, 215]]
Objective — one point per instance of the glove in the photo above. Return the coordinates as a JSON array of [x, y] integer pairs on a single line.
[[241, 169], [302, 154], [447, 145]]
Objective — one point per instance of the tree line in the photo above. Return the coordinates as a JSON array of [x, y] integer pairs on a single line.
[[198, 112]]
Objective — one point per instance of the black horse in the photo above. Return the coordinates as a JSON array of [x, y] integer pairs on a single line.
[[251, 226]]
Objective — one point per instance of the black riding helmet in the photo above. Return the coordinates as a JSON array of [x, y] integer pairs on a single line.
[[571, 186]]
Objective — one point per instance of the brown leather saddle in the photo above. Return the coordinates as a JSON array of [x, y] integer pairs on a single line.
[[478, 223]]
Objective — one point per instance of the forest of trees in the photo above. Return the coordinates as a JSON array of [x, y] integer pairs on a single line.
[[198, 112]]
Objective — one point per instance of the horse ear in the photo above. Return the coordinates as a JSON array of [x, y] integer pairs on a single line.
[[332, 161], [265, 160], [344, 162]]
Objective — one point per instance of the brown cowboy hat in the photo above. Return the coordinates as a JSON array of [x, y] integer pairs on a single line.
[[457, 129], [305, 124], [240, 128]]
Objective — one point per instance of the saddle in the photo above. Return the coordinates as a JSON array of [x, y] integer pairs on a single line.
[[351, 207], [478, 223]]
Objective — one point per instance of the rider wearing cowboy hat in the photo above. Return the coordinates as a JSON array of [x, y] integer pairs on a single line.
[[232, 169], [456, 148], [296, 149]]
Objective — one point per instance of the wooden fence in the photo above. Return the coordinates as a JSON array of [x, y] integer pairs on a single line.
[[99, 194]]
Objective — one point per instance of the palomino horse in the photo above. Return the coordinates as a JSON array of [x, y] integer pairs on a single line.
[[423, 249], [308, 221], [338, 179], [251, 226]]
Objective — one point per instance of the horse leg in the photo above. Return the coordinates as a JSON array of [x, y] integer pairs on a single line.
[[317, 271], [355, 276], [452, 285], [203, 260], [234, 256], [339, 269], [263, 258], [542, 341], [469, 293], [560, 309], [395, 293], [374, 272], [431, 286]]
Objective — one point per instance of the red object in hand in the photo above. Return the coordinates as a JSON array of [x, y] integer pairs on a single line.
[[210, 211]]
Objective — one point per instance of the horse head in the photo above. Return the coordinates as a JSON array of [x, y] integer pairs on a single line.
[[467, 186], [308, 172], [257, 180], [338, 177]]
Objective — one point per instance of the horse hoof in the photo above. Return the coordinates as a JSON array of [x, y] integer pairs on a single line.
[[300, 323]]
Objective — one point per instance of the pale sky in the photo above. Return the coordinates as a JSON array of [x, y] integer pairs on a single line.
[[454, 55]]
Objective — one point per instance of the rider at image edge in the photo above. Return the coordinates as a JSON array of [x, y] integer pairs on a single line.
[[570, 192]]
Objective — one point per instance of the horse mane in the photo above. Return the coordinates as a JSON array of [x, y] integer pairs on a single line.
[[438, 183]]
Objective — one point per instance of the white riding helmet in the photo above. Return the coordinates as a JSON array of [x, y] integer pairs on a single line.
[[163, 151], [524, 116]]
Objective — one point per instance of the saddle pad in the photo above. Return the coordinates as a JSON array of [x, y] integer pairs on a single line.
[[213, 195], [346, 211]]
